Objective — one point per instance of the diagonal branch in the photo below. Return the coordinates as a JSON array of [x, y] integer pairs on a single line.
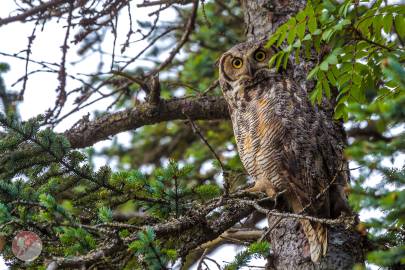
[[201, 108], [35, 10], [184, 38]]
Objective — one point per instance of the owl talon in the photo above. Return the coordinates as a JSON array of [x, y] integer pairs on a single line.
[[254, 189]]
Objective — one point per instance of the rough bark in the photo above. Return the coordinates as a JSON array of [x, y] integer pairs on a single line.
[[87, 133], [289, 245]]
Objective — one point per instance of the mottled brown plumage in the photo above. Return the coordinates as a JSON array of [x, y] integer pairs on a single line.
[[283, 141]]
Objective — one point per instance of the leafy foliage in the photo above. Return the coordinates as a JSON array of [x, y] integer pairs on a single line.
[[147, 247], [388, 195], [357, 45], [255, 250], [57, 174], [76, 240], [359, 52]]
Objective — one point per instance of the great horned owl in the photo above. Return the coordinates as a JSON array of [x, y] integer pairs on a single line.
[[283, 141]]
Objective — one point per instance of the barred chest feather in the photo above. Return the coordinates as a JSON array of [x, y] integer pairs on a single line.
[[258, 128]]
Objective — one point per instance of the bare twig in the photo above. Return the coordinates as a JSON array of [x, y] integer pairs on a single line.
[[343, 220], [30, 41], [184, 38], [61, 99], [197, 131], [35, 10], [162, 2]]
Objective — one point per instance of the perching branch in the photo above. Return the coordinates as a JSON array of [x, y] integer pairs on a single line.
[[202, 108]]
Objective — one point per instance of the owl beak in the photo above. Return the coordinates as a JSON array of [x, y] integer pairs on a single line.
[[250, 71]]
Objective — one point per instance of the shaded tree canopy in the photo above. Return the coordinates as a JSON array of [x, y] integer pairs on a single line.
[[174, 193]]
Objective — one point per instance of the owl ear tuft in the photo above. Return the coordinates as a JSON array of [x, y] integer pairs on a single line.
[[216, 64], [218, 61]]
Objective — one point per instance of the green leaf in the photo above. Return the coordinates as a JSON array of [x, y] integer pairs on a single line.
[[327, 35], [400, 25], [344, 79], [307, 37], [325, 85], [317, 32], [377, 24], [343, 93], [47, 201], [301, 16], [260, 248], [313, 72], [301, 30], [363, 25], [316, 94], [324, 66], [341, 112], [278, 62], [297, 55], [309, 10], [357, 93], [344, 8], [291, 23], [329, 5], [291, 35], [388, 23], [105, 214], [285, 62], [297, 44], [272, 40], [312, 25], [171, 254], [208, 191], [288, 49], [331, 77], [274, 58], [4, 214], [332, 59], [357, 79], [4, 67], [282, 37]]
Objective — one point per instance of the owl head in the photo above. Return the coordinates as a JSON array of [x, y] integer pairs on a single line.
[[242, 67]]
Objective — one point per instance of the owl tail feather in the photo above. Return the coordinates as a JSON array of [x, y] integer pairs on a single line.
[[317, 235]]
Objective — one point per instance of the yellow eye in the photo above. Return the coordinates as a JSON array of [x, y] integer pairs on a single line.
[[237, 63], [260, 55]]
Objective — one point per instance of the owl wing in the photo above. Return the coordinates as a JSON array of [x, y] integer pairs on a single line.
[[301, 158], [302, 165]]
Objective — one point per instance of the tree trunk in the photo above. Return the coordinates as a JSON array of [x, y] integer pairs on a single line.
[[289, 245]]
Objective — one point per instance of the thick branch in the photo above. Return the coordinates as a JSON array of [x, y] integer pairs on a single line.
[[202, 108]]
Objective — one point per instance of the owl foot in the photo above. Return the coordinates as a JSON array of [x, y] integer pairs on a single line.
[[254, 189], [263, 186]]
